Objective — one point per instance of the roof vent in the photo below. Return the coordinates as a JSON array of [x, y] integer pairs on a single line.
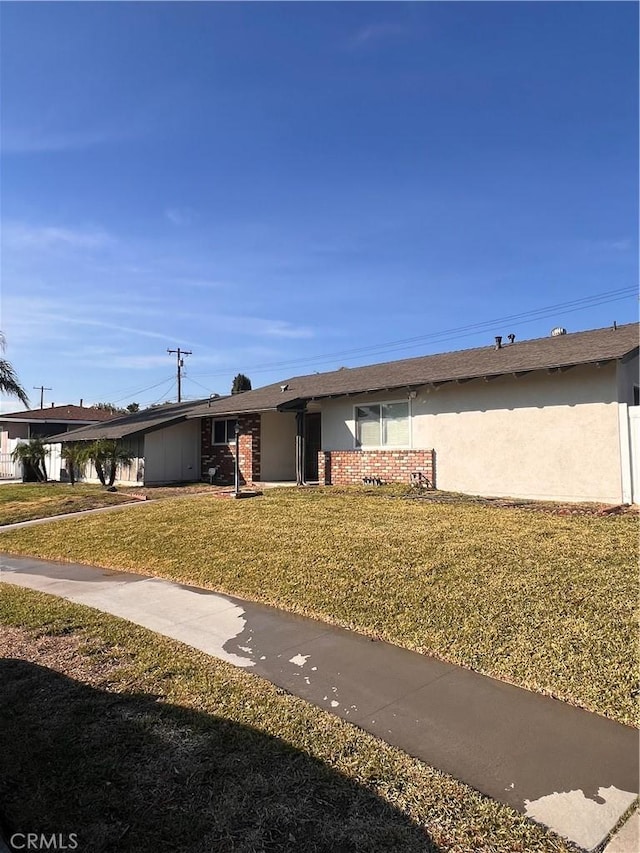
[[555, 333], [511, 337], [498, 341], [283, 388]]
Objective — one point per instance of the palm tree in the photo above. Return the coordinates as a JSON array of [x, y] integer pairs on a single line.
[[75, 455], [106, 454], [33, 453], [9, 383]]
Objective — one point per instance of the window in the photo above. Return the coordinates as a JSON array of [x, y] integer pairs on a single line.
[[224, 432], [636, 395], [382, 425]]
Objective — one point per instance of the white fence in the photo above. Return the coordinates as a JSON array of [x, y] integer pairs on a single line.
[[9, 470], [56, 469]]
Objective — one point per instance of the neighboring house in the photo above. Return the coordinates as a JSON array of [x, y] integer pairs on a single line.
[[164, 446], [553, 418], [41, 423]]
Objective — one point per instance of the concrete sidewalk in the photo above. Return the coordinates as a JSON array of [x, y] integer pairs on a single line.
[[573, 771]]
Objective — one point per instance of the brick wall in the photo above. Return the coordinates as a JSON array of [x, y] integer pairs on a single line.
[[222, 456], [349, 467]]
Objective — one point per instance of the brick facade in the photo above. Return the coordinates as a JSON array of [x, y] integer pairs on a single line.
[[222, 456], [350, 467]]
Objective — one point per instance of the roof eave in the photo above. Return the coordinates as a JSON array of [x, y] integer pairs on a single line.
[[17, 420]]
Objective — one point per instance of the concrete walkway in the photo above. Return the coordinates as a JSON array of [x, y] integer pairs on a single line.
[[573, 771]]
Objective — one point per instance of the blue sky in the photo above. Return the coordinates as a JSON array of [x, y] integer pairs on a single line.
[[290, 187]]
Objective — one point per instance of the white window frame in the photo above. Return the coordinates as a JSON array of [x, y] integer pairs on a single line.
[[381, 446], [226, 421]]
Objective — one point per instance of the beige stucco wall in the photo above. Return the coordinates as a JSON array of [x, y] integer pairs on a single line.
[[338, 424], [541, 436], [277, 446], [172, 454]]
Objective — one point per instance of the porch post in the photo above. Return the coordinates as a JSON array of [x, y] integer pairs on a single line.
[[300, 448], [236, 465]]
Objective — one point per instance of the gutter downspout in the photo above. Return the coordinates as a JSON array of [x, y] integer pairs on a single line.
[[300, 448], [625, 453]]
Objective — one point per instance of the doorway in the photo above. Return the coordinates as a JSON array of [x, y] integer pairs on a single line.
[[312, 446]]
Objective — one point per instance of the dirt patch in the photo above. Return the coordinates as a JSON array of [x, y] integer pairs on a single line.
[[64, 653], [530, 506], [152, 493]]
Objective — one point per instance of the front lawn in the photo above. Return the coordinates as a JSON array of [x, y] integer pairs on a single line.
[[25, 501], [544, 601], [135, 743]]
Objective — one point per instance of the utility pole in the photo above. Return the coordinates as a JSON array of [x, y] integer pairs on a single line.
[[41, 389], [180, 364]]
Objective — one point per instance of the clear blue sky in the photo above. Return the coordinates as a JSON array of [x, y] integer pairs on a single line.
[[290, 187]]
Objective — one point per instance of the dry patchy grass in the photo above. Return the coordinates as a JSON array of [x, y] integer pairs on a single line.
[[25, 501], [543, 601], [139, 744]]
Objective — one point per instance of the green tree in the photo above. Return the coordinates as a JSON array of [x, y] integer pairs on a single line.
[[75, 455], [133, 408], [33, 453], [109, 407], [106, 454], [9, 383], [240, 383]]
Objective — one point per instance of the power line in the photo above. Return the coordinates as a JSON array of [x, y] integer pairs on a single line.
[[142, 390], [453, 333], [164, 393], [195, 382]]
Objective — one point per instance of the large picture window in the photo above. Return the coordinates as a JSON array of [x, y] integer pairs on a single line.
[[382, 425], [224, 432]]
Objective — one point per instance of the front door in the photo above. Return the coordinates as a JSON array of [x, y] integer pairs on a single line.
[[312, 445]]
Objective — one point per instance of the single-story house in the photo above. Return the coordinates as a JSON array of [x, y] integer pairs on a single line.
[[41, 423], [553, 418]]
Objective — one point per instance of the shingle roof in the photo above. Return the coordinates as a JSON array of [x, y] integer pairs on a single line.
[[598, 345], [60, 413], [139, 422]]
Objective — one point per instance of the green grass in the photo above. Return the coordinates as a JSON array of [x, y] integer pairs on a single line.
[[139, 744], [544, 601], [25, 501]]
